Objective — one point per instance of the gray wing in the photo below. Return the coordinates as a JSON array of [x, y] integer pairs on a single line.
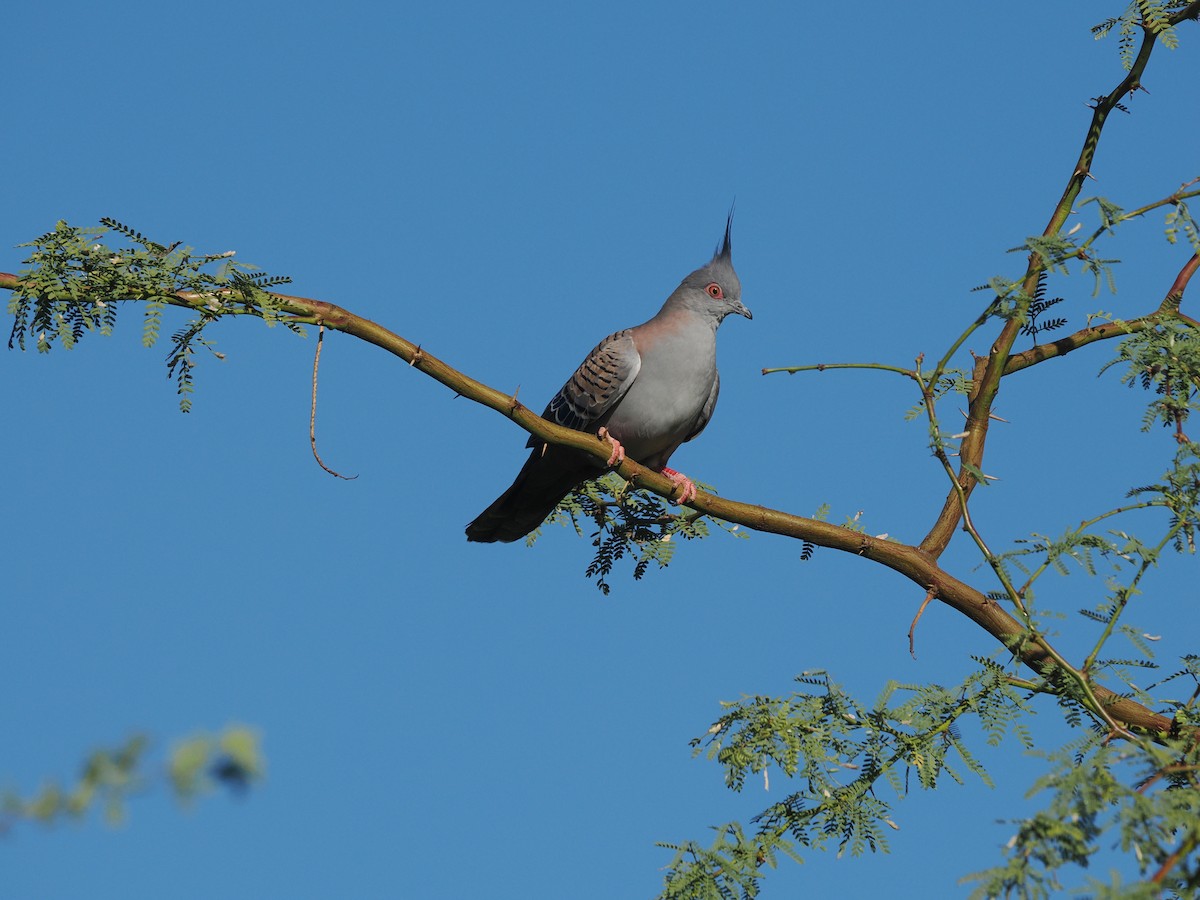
[[597, 385], [709, 405]]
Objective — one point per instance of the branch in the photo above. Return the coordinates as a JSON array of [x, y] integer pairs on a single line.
[[992, 368], [915, 564], [1191, 11], [1170, 200], [1167, 310], [1175, 295], [821, 367]]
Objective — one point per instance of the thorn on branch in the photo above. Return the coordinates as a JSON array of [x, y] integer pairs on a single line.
[[417, 357]]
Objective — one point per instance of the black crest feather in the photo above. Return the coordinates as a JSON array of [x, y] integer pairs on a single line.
[[725, 248]]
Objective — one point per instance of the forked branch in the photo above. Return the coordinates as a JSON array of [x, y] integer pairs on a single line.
[[991, 368]]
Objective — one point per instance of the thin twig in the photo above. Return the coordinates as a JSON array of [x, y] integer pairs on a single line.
[[312, 416], [821, 367], [929, 595], [1188, 845]]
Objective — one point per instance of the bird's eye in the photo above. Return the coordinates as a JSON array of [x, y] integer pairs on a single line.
[[714, 291]]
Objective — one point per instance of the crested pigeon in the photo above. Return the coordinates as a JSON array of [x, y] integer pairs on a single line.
[[645, 389]]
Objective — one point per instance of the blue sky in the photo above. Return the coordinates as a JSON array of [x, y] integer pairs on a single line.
[[506, 185]]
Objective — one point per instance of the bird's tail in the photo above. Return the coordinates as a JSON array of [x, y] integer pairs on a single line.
[[543, 481]]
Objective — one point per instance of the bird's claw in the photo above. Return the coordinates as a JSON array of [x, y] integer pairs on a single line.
[[686, 486], [618, 452]]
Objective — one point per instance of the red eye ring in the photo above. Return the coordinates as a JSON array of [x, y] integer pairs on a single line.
[[714, 291]]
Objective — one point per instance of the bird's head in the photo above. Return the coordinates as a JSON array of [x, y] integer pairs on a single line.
[[714, 288]]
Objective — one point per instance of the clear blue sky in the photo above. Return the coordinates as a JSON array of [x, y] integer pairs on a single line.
[[506, 185]]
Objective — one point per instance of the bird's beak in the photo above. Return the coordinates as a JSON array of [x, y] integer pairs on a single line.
[[742, 311]]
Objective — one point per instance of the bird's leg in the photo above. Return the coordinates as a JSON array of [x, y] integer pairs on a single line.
[[618, 452], [686, 485]]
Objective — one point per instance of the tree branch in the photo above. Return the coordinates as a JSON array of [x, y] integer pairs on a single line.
[[992, 368], [1191, 11], [914, 563], [1167, 310]]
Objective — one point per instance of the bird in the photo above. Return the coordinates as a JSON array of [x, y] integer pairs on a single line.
[[645, 390]]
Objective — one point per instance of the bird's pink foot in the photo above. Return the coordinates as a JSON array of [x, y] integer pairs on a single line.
[[618, 452], [686, 485]]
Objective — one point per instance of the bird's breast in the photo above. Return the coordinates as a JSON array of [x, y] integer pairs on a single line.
[[666, 400]]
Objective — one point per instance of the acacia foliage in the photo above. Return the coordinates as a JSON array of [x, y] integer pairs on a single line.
[[111, 776]]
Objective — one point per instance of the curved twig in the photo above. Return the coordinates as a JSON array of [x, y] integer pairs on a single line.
[[312, 416]]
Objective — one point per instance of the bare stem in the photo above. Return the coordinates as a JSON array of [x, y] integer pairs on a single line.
[[821, 367], [312, 416]]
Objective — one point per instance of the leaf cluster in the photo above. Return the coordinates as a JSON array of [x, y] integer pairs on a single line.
[[1076, 545], [835, 750], [626, 523], [1179, 491], [1038, 305], [950, 381], [73, 284], [1152, 15], [110, 777], [1165, 361], [1147, 801], [1179, 218]]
